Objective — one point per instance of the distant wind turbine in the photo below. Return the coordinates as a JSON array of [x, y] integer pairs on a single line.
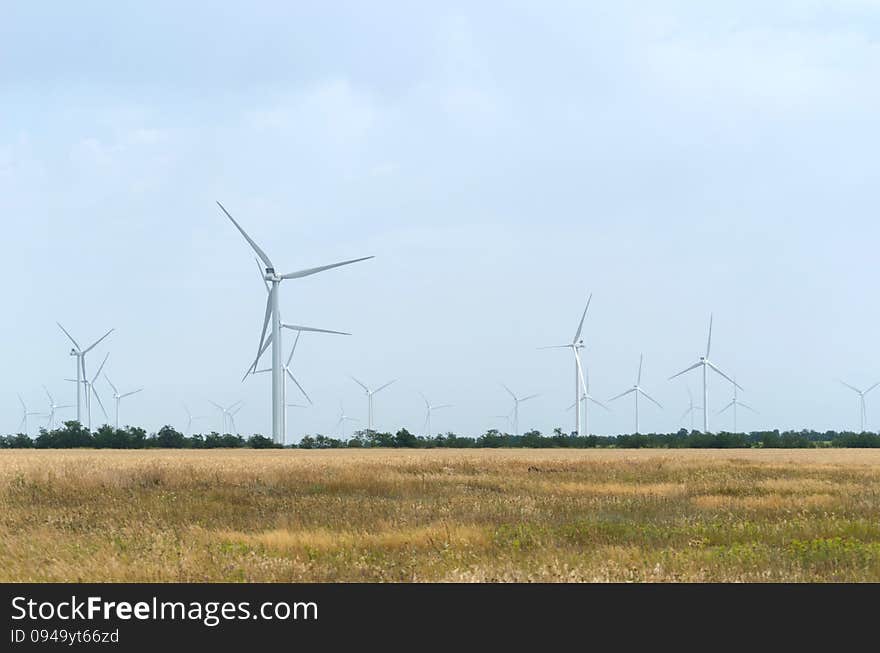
[[53, 408], [516, 402], [119, 397], [637, 390], [80, 355], [225, 413], [343, 418], [862, 410], [705, 363], [734, 404], [370, 393], [691, 410], [587, 397], [190, 418], [576, 345], [91, 392], [428, 410], [273, 313], [25, 413]]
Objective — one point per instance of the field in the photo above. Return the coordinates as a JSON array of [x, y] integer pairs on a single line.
[[440, 515]]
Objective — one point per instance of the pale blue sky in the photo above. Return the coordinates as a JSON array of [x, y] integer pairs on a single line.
[[501, 162]]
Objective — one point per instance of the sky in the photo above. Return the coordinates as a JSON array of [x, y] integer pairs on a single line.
[[501, 161]]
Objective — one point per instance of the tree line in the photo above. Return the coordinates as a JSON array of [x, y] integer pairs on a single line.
[[74, 435]]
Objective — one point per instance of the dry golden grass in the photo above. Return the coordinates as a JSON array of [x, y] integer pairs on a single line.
[[440, 515]]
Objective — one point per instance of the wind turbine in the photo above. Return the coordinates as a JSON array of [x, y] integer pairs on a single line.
[[691, 410], [575, 345], [516, 402], [428, 410], [587, 397], [225, 412], [343, 418], [504, 417], [53, 407], [369, 392], [90, 391], [734, 404], [862, 411], [190, 419], [25, 413], [273, 313], [637, 390], [119, 397], [705, 363], [80, 354]]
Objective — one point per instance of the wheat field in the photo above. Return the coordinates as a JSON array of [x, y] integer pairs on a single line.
[[440, 515]]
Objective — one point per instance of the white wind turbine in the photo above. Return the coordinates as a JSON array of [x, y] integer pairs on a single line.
[[691, 409], [190, 418], [119, 397], [637, 390], [862, 410], [53, 407], [705, 363], [80, 355], [735, 403], [25, 413], [516, 402], [90, 392], [273, 313], [575, 345], [226, 413], [343, 418], [369, 392], [506, 418], [429, 408], [587, 397]]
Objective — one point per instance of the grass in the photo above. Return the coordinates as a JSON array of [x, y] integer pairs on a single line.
[[440, 515]]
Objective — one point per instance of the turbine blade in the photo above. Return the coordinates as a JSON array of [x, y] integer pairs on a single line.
[[133, 392], [309, 271], [555, 347], [305, 394], [265, 326], [21, 401], [509, 391], [714, 367], [98, 341], [641, 362], [293, 349], [366, 389], [692, 367], [747, 407], [100, 403], [296, 327], [262, 275], [75, 343], [529, 397], [649, 397], [48, 394], [260, 253], [597, 402], [685, 414], [441, 406], [709, 341], [111, 384], [725, 408], [577, 334], [853, 388], [871, 388], [382, 387], [622, 394], [98, 373]]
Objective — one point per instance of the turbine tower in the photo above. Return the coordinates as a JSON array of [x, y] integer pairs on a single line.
[[370, 394], [706, 364], [53, 407], [734, 404], [576, 345], [428, 410], [691, 410], [119, 397], [90, 391], [80, 355], [516, 402], [273, 313], [25, 413], [637, 390], [862, 411]]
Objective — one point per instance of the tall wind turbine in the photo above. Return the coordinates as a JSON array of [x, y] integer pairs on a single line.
[[369, 392], [862, 411], [637, 390], [25, 413], [273, 313], [734, 404], [691, 409], [80, 355], [429, 408], [91, 392], [190, 418], [576, 345], [119, 397], [587, 397], [705, 363], [516, 402], [343, 418], [53, 407]]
